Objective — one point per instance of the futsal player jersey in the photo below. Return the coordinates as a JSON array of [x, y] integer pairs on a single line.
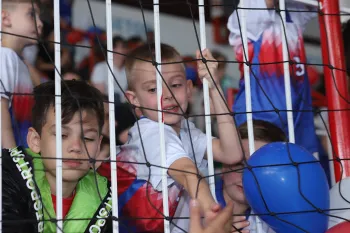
[[249, 213], [264, 32], [140, 197], [16, 86]]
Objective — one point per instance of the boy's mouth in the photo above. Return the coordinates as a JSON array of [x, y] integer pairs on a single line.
[[71, 163], [172, 108]]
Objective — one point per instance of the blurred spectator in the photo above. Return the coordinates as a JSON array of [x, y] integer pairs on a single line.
[[46, 57], [226, 81], [71, 74], [15, 76], [99, 77], [134, 42]]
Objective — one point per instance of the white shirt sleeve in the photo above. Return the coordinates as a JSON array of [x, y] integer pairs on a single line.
[[8, 72], [302, 17], [256, 20], [199, 142], [98, 75], [152, 152]]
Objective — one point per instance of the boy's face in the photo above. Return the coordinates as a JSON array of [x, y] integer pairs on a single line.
[[73, 148], [20, 19], [144, 92], [233, 180]]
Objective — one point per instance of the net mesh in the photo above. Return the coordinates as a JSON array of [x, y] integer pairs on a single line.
[[128, 222]]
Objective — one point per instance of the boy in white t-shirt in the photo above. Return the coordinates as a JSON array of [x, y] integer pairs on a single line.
[[21, 24], [229, 186], [185, 145]]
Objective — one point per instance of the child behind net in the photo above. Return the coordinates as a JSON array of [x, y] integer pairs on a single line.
[[139, 161], [264, 32]]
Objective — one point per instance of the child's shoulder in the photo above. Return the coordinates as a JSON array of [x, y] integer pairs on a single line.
[[8, 53]]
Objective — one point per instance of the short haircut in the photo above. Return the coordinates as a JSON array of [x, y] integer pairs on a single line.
[[263, 131], [148, 53], [73, 92], [119, 40]]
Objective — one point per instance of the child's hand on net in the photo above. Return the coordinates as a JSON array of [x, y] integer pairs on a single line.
[[239, 222], [211, 214], [222, 218], [209, 69]]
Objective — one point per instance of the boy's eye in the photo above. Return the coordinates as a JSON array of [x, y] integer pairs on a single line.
[[152, 90], [32, 14], [177, 85], [89, 139]]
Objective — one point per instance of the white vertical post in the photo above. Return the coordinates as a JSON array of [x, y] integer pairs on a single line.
[[160, 115], [290, 119], [58, 112], [113, 155], [207, 103], [248, 96]]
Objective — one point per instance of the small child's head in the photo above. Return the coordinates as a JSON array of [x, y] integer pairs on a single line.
[[264, 133], [21, 17], [82, 122], [142, 86]]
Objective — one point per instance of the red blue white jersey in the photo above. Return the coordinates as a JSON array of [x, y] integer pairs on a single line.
[[264, 32], [140, 196], [16, 86]]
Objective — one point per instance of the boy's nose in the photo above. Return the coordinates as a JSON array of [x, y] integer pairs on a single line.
[[166, 93], [39, 25], [75, 145]]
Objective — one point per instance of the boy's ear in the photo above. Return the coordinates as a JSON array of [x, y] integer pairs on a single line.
[[189, 89], [6, 19], [33, 140], [132, 98]]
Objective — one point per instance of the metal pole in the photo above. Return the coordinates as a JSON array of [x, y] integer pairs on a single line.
[[336, 84]]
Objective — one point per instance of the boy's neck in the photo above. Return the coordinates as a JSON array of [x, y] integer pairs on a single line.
[[238, 208], [67, 187], [12, 43]]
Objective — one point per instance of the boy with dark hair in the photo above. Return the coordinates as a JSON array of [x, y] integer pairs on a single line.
[[21, 24], [229, 187], [139, 186], [29, 178]]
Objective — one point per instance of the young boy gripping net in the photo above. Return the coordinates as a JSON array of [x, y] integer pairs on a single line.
[[21, 24], [144, 202]]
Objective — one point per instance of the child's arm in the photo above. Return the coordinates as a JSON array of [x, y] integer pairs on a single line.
[[8, 138], [228, 149], [184, 172]]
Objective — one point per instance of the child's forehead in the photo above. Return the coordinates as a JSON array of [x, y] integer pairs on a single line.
[[85, 118], [146, 70]]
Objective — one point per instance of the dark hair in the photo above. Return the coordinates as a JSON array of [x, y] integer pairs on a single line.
[[119, 40], [263, 131], [73, 92]]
